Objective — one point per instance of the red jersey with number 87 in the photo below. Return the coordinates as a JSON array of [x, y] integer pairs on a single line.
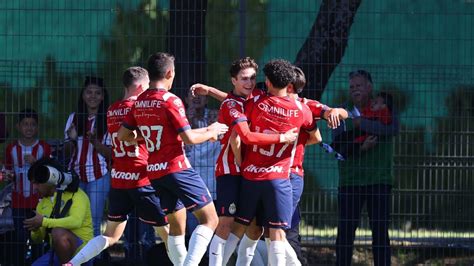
[[273, 115], [129, 160], [160, 116]]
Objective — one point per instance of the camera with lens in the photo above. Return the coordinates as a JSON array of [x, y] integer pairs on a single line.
[[48, 170]]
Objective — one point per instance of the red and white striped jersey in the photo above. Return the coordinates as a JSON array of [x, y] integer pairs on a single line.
[[86, 161], [23, 195], [231, 112], [273, 115], [317, 110], [160, 116], [129, 160]]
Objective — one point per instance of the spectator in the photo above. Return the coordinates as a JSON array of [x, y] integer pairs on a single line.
[[19, 156], [365, 179], [349, 143], [202, 156], [88, 145], [68, 225]]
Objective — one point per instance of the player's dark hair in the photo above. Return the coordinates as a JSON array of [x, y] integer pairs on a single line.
[[28, 113], [240, 64], [133, 74], [158, 64], [82, 113], [279, 72], [387, 99], [300, 80]]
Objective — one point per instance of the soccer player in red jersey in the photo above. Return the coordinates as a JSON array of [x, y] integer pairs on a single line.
[[131, 187], [266, 168], [161, 120], [243, 75]]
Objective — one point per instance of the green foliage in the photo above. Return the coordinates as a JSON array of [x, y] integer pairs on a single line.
[[134, 35], [222, 30]]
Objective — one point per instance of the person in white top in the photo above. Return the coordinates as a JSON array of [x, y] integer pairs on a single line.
[[89, 146]]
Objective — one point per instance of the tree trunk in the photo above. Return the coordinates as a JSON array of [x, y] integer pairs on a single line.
[[326, 43], [186, 41]]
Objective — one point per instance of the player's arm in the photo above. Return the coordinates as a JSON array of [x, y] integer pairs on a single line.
[[236, 146], [200, 135], [201, 89], [314, 137], [125, 133], [248, 137], [333, 116]]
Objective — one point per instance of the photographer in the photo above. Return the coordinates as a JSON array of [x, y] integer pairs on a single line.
[[63, 213]]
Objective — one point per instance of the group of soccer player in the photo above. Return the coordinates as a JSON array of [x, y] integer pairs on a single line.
[[259, 170]]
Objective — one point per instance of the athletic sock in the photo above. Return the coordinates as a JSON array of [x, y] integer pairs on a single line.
[[229, 247], [93, 248], [291, 257], [216, 250], [177, 249], [277, 253], [246, 251], [198, 244]]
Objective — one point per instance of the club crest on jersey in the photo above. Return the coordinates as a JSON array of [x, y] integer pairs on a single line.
[[231, 104], [234, 113], [232, 208]]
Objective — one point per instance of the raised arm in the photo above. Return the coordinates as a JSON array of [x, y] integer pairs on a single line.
[[201, 89]]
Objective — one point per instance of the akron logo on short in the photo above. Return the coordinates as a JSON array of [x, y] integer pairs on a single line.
[[232, 208]]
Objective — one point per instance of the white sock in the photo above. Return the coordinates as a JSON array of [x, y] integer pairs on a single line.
[[216, 250], [277, 253], [229, 247], [291, 257], [267, 243], [93, 248], [198, 244], [177, 249], [246, 251]]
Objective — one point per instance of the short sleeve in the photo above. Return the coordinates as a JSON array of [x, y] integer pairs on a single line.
[[177, 114], [129, 120], [232, 112]]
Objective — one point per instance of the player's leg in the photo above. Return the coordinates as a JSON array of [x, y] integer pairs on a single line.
[[194, 194], [227, 188], [176, 216], [248, 243], [248, 202], [293, 245], [277, 194]]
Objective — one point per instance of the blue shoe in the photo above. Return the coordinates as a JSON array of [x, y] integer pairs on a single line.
[[327, 147]]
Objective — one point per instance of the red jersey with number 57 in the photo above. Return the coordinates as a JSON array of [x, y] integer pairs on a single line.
[[317, 110], [273, 115], [160, 116], [129, 160]]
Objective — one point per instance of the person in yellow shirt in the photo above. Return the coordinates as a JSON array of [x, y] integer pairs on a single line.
[[70, 224]]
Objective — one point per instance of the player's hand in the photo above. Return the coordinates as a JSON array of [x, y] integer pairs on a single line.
[[333, 118], [218, 129], [289, 136], [199, 89], [369, 143], [33, 223], [30, 159], [72, 132]]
